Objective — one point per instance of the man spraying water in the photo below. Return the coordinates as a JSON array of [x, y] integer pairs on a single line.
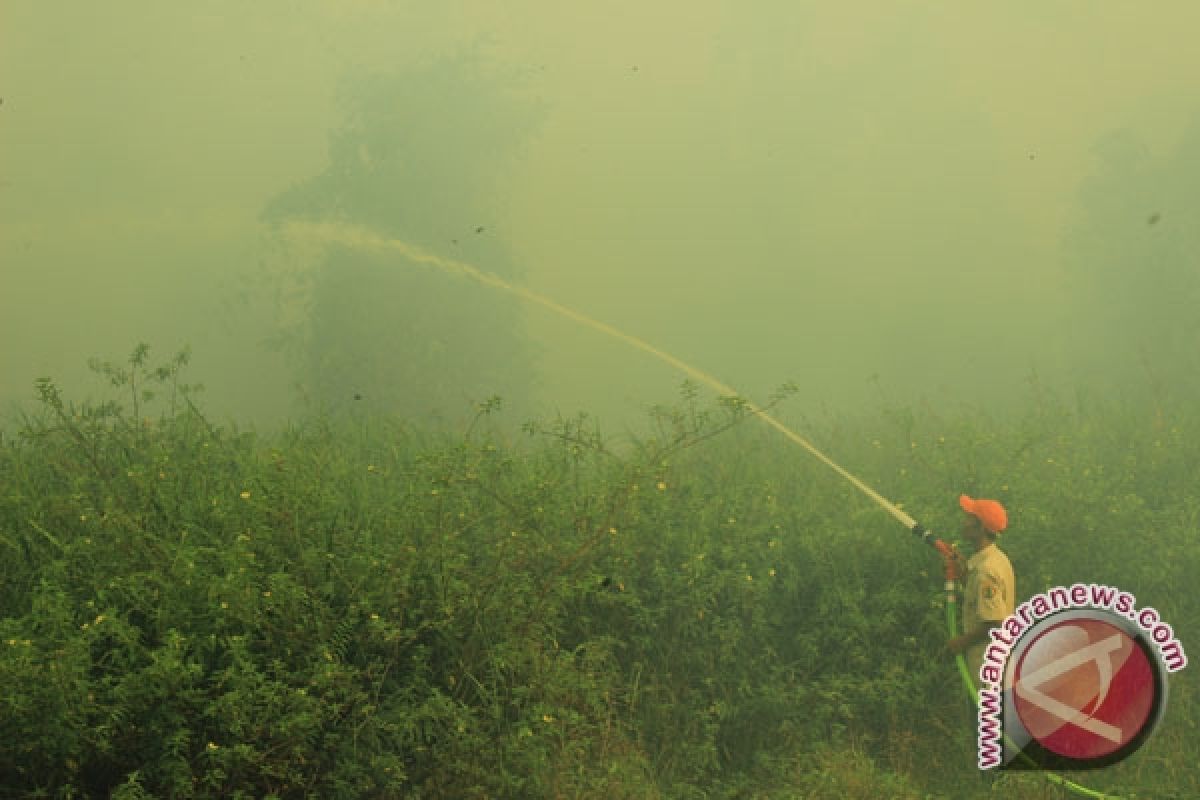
[[989, 589]]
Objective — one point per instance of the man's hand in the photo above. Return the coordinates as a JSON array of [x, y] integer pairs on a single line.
[[958, 644]]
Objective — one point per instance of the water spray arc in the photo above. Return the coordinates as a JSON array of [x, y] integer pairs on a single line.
[[360, 238]]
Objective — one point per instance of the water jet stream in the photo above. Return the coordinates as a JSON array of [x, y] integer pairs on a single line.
[[361, 238]]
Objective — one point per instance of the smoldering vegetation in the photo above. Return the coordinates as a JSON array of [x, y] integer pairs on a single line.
[[359, 606], [474, 549]]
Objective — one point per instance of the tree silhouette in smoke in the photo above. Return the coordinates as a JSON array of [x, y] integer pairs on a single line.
[[420, 157], [1133, 260]]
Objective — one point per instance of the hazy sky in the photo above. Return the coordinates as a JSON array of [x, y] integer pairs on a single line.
[[818, 192]]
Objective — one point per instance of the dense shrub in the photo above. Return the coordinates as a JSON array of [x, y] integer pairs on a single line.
[[354, 608]]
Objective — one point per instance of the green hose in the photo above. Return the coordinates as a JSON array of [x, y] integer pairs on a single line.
[[969, 684]]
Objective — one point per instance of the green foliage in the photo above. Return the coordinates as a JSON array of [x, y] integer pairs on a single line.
[[357, 608]]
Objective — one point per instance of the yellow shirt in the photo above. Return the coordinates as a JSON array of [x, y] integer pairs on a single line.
[[989, 595]]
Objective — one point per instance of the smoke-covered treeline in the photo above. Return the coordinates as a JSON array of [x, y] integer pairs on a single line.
[[1133, 261], [417, 158]]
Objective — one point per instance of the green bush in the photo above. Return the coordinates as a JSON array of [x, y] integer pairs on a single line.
[[354, 608]]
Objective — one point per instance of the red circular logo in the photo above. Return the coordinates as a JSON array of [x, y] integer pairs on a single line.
[[1084, 688]]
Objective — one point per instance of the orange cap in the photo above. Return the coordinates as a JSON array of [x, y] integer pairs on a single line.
[[989, 512]]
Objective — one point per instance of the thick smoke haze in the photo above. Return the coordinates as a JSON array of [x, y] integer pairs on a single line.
[[914, 202]]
